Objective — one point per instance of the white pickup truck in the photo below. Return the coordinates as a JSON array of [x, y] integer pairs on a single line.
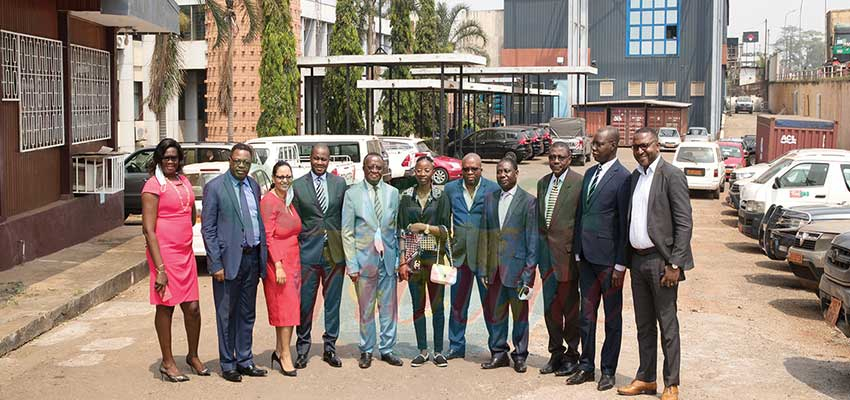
[[270, 150]]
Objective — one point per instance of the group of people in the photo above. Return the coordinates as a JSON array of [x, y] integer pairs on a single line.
[[581, 233]]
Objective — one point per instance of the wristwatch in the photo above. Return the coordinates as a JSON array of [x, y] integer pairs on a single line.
[[674, 266]]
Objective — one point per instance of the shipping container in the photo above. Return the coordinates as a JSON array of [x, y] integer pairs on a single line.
[[658, 117], [628, 120], [779, 134], [596, 118]]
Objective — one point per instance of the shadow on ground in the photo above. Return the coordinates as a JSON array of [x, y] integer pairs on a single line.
[[733, 223], [831, 378], [800, 308], [785, 281], [744, 247], [780, 266], [730, 213]]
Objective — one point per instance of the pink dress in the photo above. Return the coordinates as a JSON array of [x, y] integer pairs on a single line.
[[174, 234], [282, 229]]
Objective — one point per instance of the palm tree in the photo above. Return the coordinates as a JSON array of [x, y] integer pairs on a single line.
[[166, 76], [459, 35]]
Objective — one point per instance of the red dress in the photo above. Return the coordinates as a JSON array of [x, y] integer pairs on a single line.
[[282, 229], [174, 234]]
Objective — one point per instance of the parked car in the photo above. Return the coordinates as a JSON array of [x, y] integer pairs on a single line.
[[136, 164], [445, 168], [807, 258], [699, 134], [733, 156], [702, 165], [547, 137], [750, 146], [201, 173], [572, 132], [669, 138], [272, 149], [355, 147], [744, 104], [834, 286], [780, 227], [535, 136], [495, 143]]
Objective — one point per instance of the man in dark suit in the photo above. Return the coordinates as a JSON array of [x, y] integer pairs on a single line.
[[466, 197], [599, 245], [318, 201], [235, 240], [660, 228], [507, 247], [557, 199]]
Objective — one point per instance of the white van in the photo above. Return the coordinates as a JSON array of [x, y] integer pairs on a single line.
[[703, 166]]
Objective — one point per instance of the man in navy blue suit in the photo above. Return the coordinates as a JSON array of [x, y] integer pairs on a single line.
[[600, 247], [467, 200]]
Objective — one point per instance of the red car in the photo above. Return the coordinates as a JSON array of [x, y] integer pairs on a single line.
[[734, 156], [445, 168]]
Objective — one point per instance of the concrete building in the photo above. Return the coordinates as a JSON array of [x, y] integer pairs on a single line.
[[493, 24]]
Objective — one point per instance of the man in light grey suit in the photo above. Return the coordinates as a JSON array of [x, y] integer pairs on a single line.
[[370, 242], [659, 232]]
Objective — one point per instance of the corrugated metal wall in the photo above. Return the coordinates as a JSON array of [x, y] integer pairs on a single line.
[[535, 24]]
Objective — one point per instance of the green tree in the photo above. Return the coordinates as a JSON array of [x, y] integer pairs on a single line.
[[341, 94], [280, 78], [457, 33], [397, 107], [166, 76], [801, 51], [425, 42]]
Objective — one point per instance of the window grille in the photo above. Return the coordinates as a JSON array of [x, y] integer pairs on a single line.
[[90, 95]]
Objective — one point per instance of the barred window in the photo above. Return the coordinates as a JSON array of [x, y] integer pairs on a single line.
[[606, 88], [90, 95], [669, 89], [651, 88], [635, 89], [697, 88]]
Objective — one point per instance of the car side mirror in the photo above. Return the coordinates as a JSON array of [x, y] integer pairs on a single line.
[[725, 158], [776, 183]]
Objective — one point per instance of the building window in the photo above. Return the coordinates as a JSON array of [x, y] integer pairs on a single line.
[[606, 89], [653, 28], [91, 100], [669, 89], [635, 89], [651, 88], [192, 19], [697, 89], [138, 102]]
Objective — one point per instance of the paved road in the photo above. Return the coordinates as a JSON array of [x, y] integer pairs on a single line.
[[749, 331]]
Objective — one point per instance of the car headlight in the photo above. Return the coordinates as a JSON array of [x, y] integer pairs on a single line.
[[744, 175], [755, 207]]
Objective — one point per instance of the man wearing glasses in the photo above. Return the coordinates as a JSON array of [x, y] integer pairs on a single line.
[[466, 197], [660, 229]]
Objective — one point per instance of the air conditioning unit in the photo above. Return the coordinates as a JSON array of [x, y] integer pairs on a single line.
[[121, 41]]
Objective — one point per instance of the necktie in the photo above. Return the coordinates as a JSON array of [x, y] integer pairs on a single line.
[[593, 184], [248, 227], [550, 201], [379, 212], [320, 194]]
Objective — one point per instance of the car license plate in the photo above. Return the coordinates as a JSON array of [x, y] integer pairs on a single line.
[[783, 248], [694, 172], [795, 258], [831, 315]]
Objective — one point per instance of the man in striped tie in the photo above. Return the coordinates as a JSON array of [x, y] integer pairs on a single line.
[[558, 195]]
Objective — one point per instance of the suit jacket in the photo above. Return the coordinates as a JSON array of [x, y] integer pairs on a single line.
[[222, 227], [670, 224], [510, 251], [360, 226], [315, 224], [601, 234], [466, 224], [556, 253]]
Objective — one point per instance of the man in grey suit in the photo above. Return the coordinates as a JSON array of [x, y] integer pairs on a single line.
[[660, 228], [370, 241], [235, 240], [318, 201]]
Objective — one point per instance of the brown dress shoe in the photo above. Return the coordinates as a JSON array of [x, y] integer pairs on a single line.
[[670, 393], [638, 387]]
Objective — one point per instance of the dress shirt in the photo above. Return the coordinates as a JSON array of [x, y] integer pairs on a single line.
[[470, 199], [252, 205], [603, 168], [323, 180], [559, 180], [638, 232], [505, 200]]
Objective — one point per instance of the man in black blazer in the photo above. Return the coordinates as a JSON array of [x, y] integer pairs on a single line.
[[318, 201], [507, 247], [599, 245], [558, 196], [660, 228]]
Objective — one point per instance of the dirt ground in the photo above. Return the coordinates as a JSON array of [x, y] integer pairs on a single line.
[[749, 331]]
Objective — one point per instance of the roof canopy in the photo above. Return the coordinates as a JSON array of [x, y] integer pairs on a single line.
[[507, 71], [371, 60], [649, 102], [449, 86]]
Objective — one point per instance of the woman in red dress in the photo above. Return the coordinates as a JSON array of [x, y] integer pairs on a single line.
[[282, 284], [168, 213]]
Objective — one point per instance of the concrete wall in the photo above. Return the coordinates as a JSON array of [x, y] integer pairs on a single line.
[[493, 24], [829, 95]]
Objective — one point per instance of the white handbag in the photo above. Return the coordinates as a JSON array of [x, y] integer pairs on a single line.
[[444, 274]]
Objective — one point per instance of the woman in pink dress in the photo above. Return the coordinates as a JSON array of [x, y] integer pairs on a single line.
[[168, 213], [282, 284]]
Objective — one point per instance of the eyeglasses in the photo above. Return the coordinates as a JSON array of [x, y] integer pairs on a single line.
[[283, 177], [643, 146], [171, 158], [471, 169], [241, 162]]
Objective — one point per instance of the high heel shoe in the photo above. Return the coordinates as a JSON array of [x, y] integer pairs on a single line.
[[164, 375], [276, 359], [203, 372]]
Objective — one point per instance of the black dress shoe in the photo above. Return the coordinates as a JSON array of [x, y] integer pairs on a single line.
[[519, 366], [451, 355], [567, 368], [496, 362], [552, 365], [365, 360], [392, 359], [252, 371], [331, 358], [231, 376], [581, 377], [301, 361], [605, 383]]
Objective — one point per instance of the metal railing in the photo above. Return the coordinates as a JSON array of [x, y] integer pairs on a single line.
[[824, 72]]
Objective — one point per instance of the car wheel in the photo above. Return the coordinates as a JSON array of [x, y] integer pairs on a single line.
[[512, 155], [716, 193], [587, 157], [722, 186], [441, 176], [581, 161]]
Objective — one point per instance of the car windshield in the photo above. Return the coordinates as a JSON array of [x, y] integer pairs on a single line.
[[697, 131], [423, 148], [198, 180], [668, 133], [773, 170], [730, 151], [696, 154], [744, 99]]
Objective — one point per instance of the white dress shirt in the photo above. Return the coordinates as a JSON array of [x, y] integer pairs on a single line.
[[504, 203], [603, 168], [638, 232], [470, 199]]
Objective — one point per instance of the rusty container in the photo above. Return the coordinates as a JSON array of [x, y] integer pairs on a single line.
[[779, 134]]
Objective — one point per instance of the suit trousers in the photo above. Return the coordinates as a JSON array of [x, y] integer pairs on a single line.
[[235, 312], [561, 314], [654, 303], [461, 292], [380, 291], [331, 278], [595, 284], [419, 283], [499, 299]]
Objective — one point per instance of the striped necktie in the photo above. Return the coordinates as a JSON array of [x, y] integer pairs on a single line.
[[551, 200], [379, 212], [321, 196], [593, 184]]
